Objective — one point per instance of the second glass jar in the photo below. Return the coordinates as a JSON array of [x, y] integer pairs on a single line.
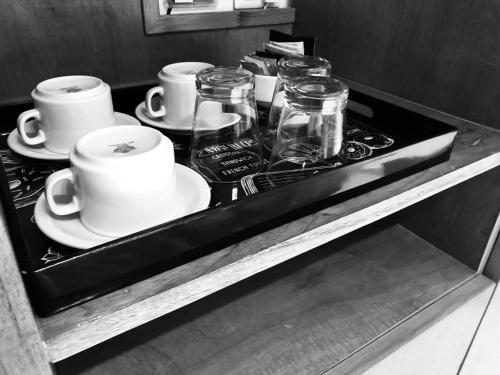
[[290, 68], [311, 127]]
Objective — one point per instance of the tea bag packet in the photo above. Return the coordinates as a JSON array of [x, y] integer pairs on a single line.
[[297, 47], [271, 63], [252, 67], [283, 49], [260, 63], [308, 41]]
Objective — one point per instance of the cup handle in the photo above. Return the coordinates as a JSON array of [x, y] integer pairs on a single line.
[[149, 96], [22, 119], [61, 209]]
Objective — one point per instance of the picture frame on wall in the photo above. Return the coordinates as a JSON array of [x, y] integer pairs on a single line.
[[157, 20]]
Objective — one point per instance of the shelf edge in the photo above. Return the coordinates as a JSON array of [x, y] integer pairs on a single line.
[[401, 334], [84, 335]]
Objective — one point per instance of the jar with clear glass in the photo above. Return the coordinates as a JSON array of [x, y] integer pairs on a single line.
[[311, 128], [289, 68], [226, 143]]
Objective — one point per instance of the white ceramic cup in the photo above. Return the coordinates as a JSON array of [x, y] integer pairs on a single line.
[[66, 108], [178, 94], [264, 88], [123, 180]]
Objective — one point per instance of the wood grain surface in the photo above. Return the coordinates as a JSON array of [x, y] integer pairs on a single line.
[[434, 53], [270, 16], [22, 351], [441, 53], [482, 357], [493, 266], [467, 212], [459, 219], [105, 38], [191, 22], [443, 331], [84, 326], [301, 317]]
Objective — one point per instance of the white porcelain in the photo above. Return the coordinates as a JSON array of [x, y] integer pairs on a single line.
[[192, 195], [67, 108], [17, 145], [213, 118], [210, 116], [177, 90], [141, 113], [264, 88], [123, 179]]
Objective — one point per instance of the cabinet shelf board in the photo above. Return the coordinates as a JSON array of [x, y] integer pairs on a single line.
[[303, 316], [84, 326]]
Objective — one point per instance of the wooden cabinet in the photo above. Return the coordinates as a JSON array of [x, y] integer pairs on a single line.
[[441, 348], [333, 292]]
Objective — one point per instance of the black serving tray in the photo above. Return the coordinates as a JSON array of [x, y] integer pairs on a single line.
[[58, 277]]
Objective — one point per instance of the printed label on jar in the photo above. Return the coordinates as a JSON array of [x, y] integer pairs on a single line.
[[230, 161]]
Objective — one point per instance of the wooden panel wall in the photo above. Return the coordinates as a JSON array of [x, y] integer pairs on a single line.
[[459, 220], [45, 38], [441, 53], [493, 267], [440, 349]]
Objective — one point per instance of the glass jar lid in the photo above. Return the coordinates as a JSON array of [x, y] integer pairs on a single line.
[[300, 66], [316, 93], [225, 82]]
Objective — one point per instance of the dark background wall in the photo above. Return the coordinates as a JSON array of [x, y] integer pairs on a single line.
[[441, 53], [444, 54], [40, 39]]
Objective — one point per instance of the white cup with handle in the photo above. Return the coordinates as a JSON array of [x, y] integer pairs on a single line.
[[66, 108], [123, 180], [177, 89]]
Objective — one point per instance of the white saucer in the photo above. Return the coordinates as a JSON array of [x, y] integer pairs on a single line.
[[40, 152], [142, 114], [193, 195], [213, 122]]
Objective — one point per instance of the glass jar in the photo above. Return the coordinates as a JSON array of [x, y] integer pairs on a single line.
[[226, 142], [289, 68], [311, 127]]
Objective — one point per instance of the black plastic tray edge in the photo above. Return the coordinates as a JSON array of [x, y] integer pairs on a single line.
[[37, 294], [45, 308]]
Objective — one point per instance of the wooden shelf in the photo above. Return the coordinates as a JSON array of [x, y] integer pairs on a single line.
[[301, 317], [84, 326], [155, 23]]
